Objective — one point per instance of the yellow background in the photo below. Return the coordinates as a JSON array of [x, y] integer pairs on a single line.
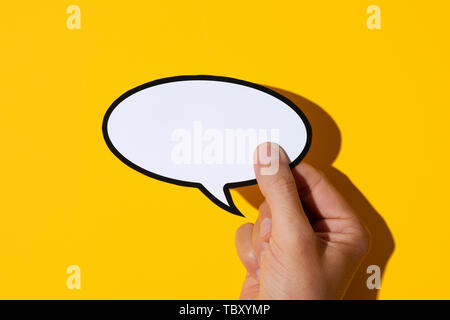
[[66, 199]]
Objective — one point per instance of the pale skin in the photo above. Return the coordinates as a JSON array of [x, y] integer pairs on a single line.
[[307, 242]]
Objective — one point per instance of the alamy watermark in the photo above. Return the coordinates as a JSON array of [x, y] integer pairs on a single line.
[[374, 20], [74, 279], [200, 145], [73, 21]]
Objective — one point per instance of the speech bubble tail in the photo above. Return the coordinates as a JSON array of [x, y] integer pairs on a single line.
[[221, 197]]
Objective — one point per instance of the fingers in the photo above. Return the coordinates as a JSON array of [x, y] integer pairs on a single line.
[[252, 240], [328, 209], [244, 247], [262, 231], [250, 288], [318, 195], [278, 186], [264, 222]]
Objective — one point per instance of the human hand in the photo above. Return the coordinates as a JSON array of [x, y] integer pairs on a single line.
[[307, 242]]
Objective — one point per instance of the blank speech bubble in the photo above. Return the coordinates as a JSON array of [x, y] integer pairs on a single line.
[[191, 131]]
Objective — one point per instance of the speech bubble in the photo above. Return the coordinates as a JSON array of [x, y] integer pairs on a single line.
[[181, 130]]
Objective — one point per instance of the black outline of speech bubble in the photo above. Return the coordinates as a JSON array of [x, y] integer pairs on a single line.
[[226, 188]]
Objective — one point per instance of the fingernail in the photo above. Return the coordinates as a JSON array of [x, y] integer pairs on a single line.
[[266, 228], [262, 154]]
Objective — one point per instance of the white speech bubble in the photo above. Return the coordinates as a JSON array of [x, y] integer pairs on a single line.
[[198, 117]]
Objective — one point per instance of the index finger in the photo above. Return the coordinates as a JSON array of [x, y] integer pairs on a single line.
[[319, 195]]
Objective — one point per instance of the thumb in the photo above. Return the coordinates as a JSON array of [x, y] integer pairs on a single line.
[[277, 184]]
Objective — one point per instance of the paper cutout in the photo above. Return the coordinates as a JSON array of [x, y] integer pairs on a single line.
[[201, 131]]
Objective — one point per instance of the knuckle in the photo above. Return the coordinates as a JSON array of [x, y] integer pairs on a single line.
[[364, 240], [243, 229], [263, 207], [283, 184]]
